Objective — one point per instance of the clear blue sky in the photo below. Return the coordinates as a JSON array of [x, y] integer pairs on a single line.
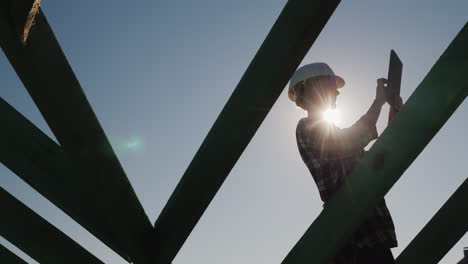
[[161, 71]]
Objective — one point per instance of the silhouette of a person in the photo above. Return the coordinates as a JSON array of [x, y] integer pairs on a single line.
[[330, 153]]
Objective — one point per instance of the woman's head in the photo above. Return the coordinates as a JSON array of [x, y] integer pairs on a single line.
[[314, 86], [316, 93]]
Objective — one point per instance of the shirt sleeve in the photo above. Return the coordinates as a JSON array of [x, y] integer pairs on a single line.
[[329, 142]]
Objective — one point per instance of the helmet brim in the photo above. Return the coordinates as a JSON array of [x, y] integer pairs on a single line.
[[340, 83]]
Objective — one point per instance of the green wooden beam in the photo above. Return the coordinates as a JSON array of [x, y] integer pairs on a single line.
[[41, 163], [38, 238], [292, 35], [116, 217], [441, 233], [426, 111], [8, 257]]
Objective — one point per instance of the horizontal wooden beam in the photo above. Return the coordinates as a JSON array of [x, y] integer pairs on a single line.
[[287, 43], [426, 111], [115, 216], [38, 238], [441, 233]]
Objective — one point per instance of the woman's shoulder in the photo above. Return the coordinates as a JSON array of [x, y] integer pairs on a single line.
[[302, 125], [310, 125]]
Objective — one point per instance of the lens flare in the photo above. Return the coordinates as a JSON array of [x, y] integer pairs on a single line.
[[133, 144], [332, 116]]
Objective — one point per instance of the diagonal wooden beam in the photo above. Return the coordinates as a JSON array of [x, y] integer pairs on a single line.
[[117, 217], [441, 233], [41, 163], [37, 237], [440, 93], [292, 35], [8, 257]]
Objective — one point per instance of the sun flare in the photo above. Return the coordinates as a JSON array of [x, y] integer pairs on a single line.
[[332, 116]]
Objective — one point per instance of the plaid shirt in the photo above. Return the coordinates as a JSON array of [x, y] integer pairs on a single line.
[[331, 153]]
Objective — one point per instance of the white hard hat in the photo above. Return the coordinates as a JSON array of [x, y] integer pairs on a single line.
[[312, 70]]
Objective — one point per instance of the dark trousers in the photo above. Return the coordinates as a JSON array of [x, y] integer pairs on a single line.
[[380, 255], [355, 255]]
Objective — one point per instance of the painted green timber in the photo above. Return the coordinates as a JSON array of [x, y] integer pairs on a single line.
[[37, 237], [116, 216], [292, 35], [426, 111], [442, 232], [41, 163], [8, 257]]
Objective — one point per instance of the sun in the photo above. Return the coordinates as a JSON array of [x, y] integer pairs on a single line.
[[332, 116]]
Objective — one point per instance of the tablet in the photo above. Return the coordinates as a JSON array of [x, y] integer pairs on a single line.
[[395, 70]]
